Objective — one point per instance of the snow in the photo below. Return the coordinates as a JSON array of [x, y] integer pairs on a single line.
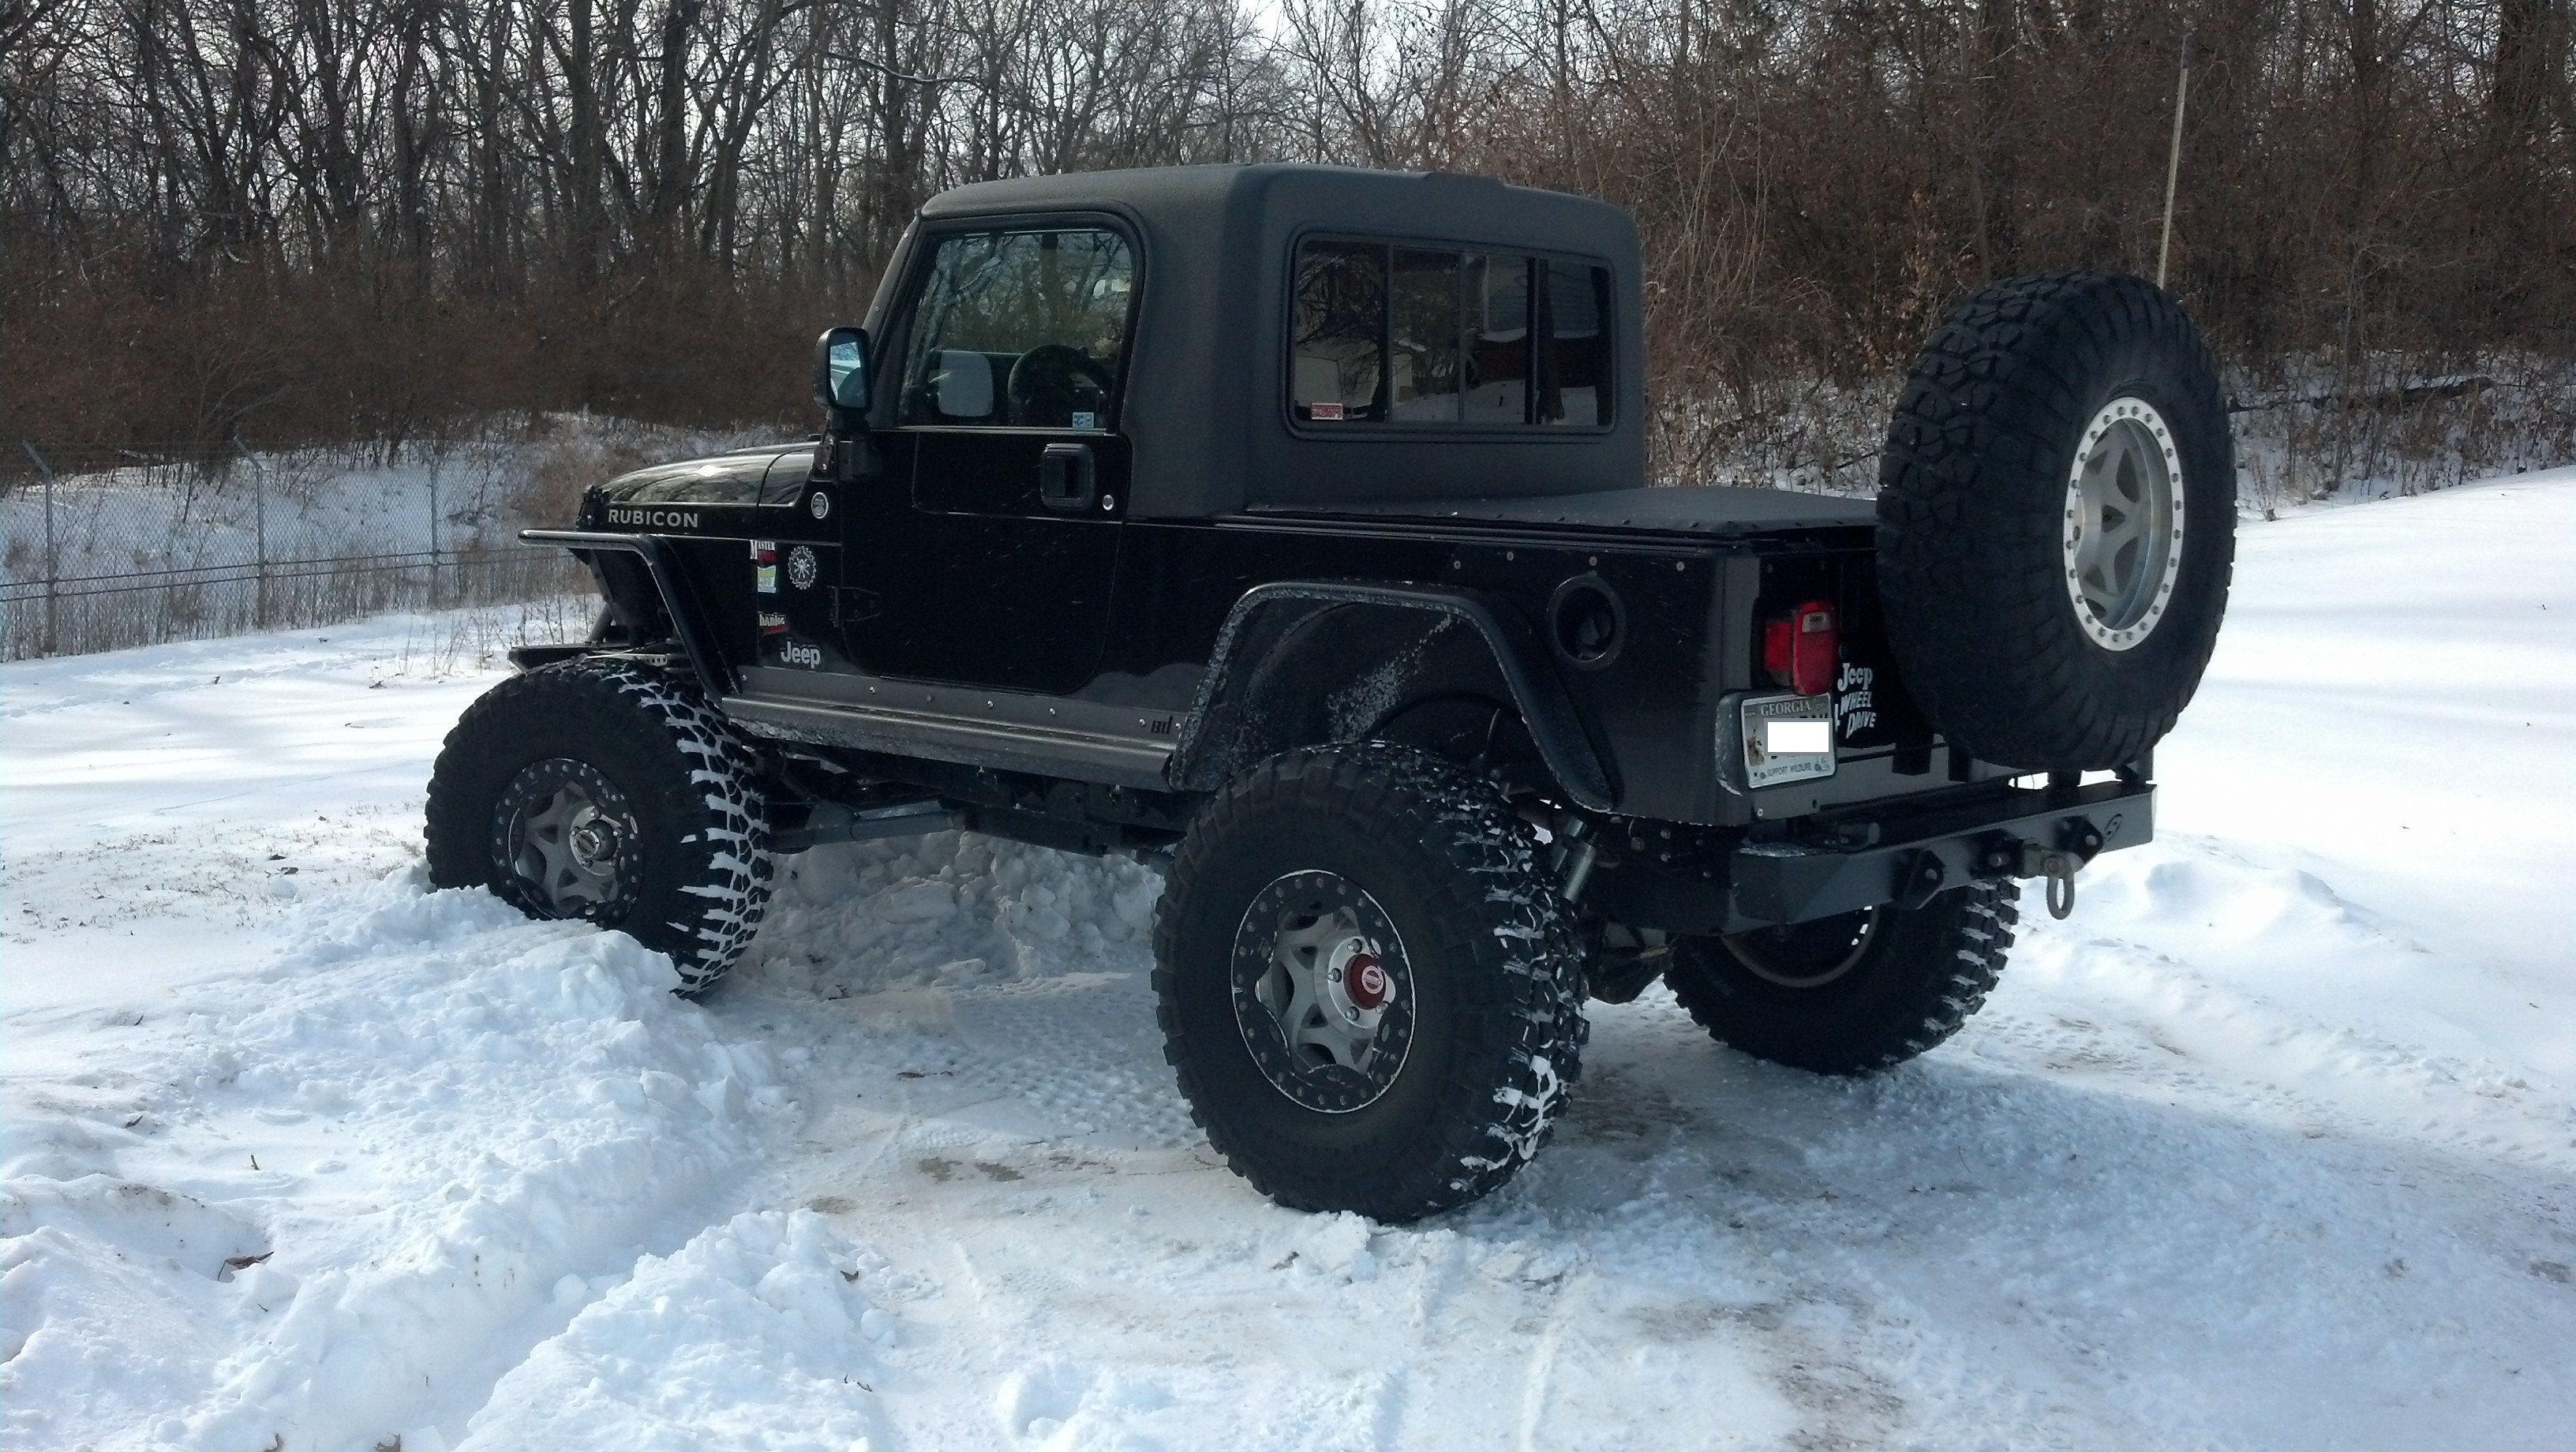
[[2272, 1144]]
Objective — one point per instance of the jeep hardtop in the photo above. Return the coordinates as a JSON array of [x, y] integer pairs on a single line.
[[1289, 525]]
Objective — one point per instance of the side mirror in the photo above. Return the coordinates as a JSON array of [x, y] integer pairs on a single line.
[[841, 371]]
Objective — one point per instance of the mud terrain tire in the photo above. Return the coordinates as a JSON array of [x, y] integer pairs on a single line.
[[658, 786], [1876, 991], [1985, 520], [1480, 1030]]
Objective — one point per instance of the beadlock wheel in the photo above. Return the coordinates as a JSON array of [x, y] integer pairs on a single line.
[[2124, 517], [565, 834], [1323, 991]]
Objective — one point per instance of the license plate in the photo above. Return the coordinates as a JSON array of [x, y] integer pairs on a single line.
[[1787, 738]]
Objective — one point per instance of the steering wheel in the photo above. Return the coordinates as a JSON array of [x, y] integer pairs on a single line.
[[1049, 379]]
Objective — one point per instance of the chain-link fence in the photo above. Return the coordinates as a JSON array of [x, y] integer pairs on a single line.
[[106, 548]]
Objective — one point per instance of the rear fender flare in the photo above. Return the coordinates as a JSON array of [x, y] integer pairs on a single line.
[[1264, 691]]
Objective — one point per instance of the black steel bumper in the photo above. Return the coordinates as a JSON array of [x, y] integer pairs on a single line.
[[1900, 857], [1920, 854]]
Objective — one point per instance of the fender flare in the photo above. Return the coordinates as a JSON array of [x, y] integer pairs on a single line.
[[689, 628], [1200, 761]]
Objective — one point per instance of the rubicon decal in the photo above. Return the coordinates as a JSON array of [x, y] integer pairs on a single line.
[[653, 518]]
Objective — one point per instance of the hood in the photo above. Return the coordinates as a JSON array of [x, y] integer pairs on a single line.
[[769, 474]]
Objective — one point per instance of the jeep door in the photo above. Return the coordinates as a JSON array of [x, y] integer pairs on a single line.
[[1011, 350]]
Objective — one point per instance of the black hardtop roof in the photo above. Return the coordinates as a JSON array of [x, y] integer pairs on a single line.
[[1194, 202], [1205, 404]]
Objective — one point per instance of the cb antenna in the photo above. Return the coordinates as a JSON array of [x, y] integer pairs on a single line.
[[2173, 157]]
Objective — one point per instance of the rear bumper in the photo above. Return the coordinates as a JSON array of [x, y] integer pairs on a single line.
[[1863, 860]]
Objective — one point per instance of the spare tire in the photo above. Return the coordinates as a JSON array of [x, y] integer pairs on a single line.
[[2057, 521]]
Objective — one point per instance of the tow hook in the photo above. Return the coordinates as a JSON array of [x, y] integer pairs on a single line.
[[2059, 868], [2010, 858]]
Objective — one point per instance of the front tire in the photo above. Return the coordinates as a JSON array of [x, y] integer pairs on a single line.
[[602, 790], [1368, 985], [1851, 994]]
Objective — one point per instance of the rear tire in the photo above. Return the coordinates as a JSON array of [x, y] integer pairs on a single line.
[[602, 790], [1852, 994], [1436, 1084], [2056, 521]]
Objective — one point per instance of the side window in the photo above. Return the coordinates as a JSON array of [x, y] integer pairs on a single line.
[[1498, 345], [1576, 388], [1432, 336], [1422, 336], [1337, 351], [1019, 329]]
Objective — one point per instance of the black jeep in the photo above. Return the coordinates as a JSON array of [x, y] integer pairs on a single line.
[[1289, 523]]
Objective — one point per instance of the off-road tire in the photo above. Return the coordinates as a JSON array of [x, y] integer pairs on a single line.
[[694, 816], [1973, 499], [1497, 980], [1919, 977]]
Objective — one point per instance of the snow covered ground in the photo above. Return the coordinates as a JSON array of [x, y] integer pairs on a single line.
[[2273, 1145]]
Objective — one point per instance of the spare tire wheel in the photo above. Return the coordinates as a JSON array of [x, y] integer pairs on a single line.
[[2057, 521]]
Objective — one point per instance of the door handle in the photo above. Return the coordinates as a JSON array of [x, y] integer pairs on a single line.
[[1067, 477]]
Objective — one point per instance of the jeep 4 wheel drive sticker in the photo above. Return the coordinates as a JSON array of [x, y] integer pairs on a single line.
[[1855, 708]]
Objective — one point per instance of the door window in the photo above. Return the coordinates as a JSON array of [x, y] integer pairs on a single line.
[[1020, 330]]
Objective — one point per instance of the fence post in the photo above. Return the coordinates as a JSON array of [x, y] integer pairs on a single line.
[[53, 561], [433, 534], [259, 545]]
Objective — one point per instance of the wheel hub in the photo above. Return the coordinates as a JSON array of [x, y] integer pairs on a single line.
[[1359, 979], [1322, 991], [2122, 541], [593, 841]]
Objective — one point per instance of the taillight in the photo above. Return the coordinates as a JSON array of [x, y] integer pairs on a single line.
[[1801, 648]]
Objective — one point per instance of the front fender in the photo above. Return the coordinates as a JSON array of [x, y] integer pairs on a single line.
[[667, 580]]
